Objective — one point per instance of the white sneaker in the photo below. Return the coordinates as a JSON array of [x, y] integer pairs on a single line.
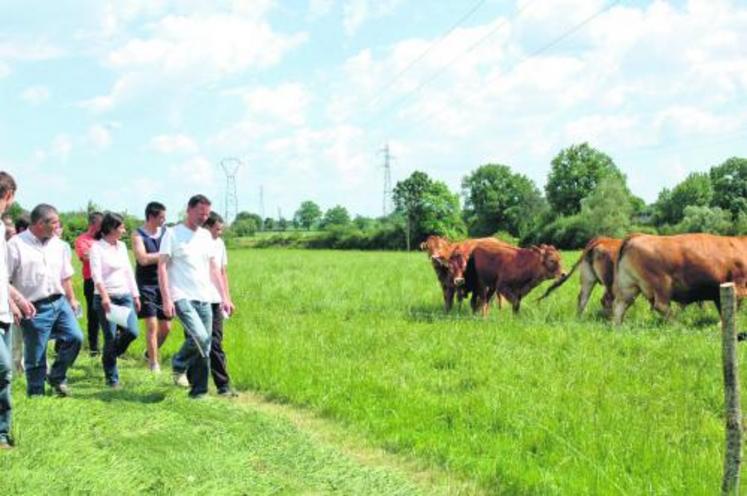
[[180, 379]]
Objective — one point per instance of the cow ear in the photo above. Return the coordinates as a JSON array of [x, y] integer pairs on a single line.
[[440, 261]]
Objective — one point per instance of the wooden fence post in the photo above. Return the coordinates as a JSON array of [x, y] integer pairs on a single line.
[[733, 454]]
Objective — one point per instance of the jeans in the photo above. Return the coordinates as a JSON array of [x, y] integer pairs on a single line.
[[92, 316], [115, 344], [6, 374], [53, 320], [196, 318]]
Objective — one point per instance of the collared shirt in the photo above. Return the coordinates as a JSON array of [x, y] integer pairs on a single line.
[[37, 269], [5, 315], [188, 267], [221, 259], [82, 246], [111, 267]]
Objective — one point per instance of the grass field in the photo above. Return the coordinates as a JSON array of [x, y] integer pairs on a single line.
[[539, 403]]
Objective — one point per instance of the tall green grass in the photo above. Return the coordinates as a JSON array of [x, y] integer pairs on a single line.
[[538, 403]]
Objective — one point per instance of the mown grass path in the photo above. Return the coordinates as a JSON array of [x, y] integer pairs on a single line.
[[149, 438]]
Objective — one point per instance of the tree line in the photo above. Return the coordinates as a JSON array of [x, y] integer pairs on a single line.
[[585, 195]]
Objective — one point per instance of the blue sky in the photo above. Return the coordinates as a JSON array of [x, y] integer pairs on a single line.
[[121, 102]]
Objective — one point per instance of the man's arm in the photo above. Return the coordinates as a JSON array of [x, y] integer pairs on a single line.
[[215, 274], [163, 284], [26, 307], [67, 286], [143, 257], [80, 250]]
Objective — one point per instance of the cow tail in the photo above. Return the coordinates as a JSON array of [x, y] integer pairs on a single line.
[[587, 250]]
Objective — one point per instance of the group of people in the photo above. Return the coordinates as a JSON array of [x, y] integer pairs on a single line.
[[179, 271]]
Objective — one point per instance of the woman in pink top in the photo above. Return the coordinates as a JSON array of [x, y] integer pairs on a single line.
[[114, 284]]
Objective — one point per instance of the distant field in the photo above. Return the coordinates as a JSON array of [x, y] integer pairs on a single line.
[[540, 403]]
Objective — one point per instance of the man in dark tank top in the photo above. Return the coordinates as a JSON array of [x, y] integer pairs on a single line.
[[146, 242]]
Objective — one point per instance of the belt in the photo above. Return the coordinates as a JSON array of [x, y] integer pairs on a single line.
[[48, 299]]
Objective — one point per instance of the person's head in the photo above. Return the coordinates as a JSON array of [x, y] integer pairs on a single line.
[[198, 210], [214, 224], [7, 191], [94, 222], [44, 221], [155, 214], [112, 227], [10, 227], [22, 223]]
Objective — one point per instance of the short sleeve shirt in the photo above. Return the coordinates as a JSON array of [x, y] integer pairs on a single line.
[[188, 267], [37, 269], [221, 259], [5, 315]]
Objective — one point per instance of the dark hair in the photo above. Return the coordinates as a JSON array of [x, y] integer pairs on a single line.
[[7, 183], [22, 223], [197, 200], [153, 209], [41, 212], [94, 216], [109, 223], [213, 218]]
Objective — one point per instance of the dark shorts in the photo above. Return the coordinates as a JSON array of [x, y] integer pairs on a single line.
[[151, 304]]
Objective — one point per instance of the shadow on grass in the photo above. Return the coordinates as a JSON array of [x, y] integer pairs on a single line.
[[431, 314], [110, 395]]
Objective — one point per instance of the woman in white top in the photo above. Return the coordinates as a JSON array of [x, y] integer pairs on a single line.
[[114, 284]]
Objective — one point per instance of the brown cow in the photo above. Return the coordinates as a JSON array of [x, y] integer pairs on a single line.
[[441, 252], [439, 249], [509, 271], [685, 268], [597, 264]]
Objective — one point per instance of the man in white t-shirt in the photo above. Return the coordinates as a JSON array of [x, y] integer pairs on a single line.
[[186, 267]]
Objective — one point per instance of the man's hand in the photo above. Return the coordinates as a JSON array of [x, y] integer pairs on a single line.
[[228, 307], [169, 310], [106, 304], [137, 304], [26, 308]]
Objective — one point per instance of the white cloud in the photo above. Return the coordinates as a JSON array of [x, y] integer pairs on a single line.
[[35, 95], [320, 8], [29, 49], [61, 147], [173, 143], [286, 103], [358, 12], [197, 171], [4, 69], [99, 137]]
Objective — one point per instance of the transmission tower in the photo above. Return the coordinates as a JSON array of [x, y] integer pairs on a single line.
[[387, 179], [230, 166]]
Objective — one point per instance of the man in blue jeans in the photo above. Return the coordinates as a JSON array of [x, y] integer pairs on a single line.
[[40, 270], [186, 267]]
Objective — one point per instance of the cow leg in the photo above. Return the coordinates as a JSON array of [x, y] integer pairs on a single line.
[[607, 299], [448, 298], [487, 295], [499, 301], [588, 281], [661, 305]]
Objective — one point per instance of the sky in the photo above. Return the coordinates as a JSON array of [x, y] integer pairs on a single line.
[[127, 101]]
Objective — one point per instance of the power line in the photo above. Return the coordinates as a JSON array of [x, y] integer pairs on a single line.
[[425, 52], [387, 179], [443, 68], [230, 166], [554, 42]]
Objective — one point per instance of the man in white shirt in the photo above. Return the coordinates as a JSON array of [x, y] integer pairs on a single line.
[[7, 193], [185, 267], [40, 270]]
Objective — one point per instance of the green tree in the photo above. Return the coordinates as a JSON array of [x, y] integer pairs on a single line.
[[282, 224], [336, 216], [695, 190], [497, 199], [427, 206], [15, 210], [365, 223], [269, 224], [574, 174], [243, 215], [705, 219], [607, 210], [729, 182], [307, 215], [246, 226]]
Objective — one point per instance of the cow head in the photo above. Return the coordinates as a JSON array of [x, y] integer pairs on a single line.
[[457, 267], [550, 257], [434, 244]]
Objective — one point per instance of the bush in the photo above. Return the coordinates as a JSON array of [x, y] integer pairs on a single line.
[[567, 233]]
